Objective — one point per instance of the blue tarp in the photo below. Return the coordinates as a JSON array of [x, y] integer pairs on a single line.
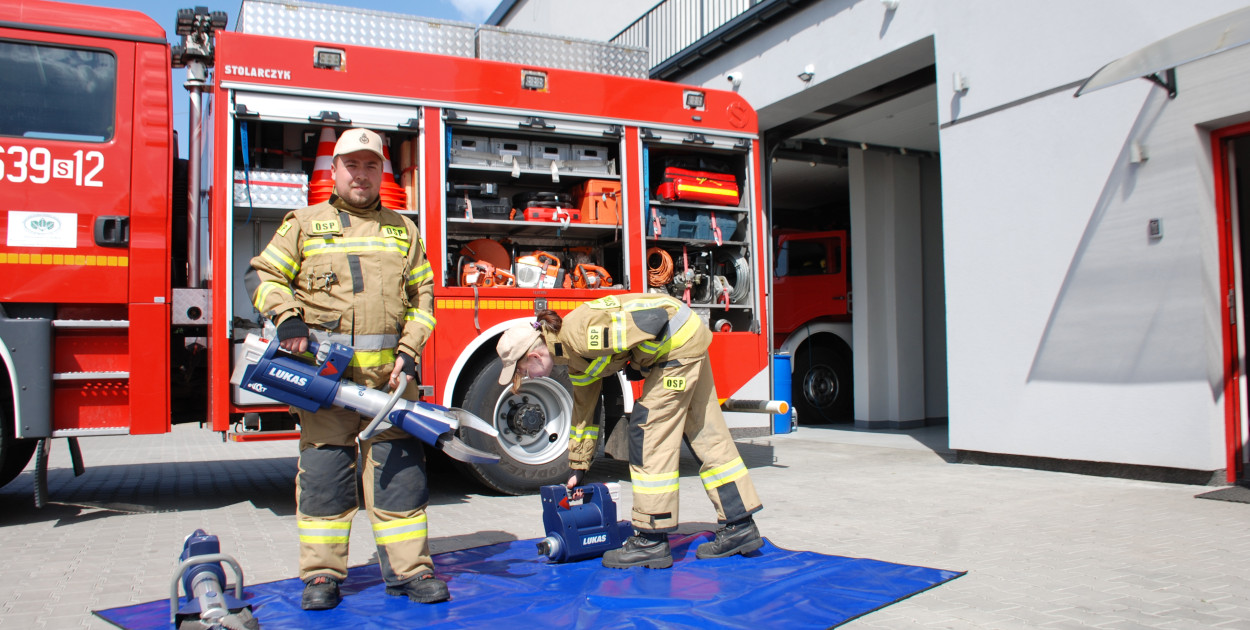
[[492, 585]]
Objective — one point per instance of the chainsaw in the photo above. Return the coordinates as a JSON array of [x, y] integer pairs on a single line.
[[318, 384]]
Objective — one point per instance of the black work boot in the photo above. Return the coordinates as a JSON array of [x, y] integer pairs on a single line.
[[320, 593], [426, 589], [645, 549], [737, 537]]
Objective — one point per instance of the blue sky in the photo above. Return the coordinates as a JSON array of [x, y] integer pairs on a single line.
[[163, 11]]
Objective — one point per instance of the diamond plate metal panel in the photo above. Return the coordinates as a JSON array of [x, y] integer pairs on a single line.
[[344, 25], [560, 52]]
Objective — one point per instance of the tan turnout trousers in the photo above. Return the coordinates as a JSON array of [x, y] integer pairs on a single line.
[[325, 491], [679, 402], [661, 337]]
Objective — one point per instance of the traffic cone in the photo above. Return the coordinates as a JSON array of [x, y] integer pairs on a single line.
[[321, 184], [393, 195]]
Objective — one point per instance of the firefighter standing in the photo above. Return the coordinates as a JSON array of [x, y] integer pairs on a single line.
[[658, 335], [353, 272]]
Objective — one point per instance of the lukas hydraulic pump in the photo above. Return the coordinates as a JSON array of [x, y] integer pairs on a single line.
[[316, 385], [580, 531]]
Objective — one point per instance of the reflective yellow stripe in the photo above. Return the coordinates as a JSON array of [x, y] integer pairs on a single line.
[[589, 433], [324, 532], [372, 358], [723, 474], [707, 189], [687, 331], [654, 484], [582, 379], [280, 260], [596, 367], [643, 304], [413, 314], [683, 335], [402, 529], [267, 287], [618, 332], [420, 274], [340, 245]]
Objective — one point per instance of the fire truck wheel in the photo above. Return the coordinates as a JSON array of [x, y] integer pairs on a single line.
[[533, 429], [821, 387], [14, 453]]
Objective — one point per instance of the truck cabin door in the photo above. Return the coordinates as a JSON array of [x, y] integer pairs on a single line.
[[65, 166], [810, 279]]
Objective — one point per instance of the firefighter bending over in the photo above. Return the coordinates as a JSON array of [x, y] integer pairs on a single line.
[[660, 336], [353, 272]]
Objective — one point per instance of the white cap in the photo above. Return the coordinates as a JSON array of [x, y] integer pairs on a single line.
[[513, 346], [354, 140]]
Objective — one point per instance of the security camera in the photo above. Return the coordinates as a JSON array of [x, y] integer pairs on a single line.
[[735, 78]]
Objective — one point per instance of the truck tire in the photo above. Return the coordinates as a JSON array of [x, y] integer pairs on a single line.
[[533, 429], [14, 453], [822, 385]]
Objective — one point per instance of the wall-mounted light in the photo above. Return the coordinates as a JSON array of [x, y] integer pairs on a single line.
[[890, 5], [808, 72], [1137, 153], [960, 82]]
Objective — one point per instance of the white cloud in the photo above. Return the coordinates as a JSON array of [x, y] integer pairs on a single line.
[[475, 11]]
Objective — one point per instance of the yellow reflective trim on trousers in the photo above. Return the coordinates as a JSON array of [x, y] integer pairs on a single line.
[[399, 530], [589, 433], [424, 272], [267, 287], [723, 474], [372, 358], [324, 532], [618, 332], [655, 484], [413, 314], [288, 267]]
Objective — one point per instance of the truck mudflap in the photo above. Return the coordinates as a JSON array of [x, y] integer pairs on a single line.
[[28, 342]]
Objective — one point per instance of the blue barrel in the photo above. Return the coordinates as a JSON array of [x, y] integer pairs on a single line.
[[781, 390]]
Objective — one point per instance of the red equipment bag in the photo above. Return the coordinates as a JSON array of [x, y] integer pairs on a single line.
[[555, 214], [698, 186]]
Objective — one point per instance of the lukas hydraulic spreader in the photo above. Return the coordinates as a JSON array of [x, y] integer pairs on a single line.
[[316, 384], [206, 605], [580, 531]]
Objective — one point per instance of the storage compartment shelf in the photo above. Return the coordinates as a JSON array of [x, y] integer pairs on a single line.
[[689, 241], [261, 212], [696, 206], [505, 172], [497, 228]]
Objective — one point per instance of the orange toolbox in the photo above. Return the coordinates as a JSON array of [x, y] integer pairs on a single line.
[[599, 200]]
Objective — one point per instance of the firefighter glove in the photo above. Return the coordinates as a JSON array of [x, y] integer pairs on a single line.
[[408, 365], [632, 373], [292, 328]]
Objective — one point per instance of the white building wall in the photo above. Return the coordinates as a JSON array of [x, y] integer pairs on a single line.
[[1070, 334]]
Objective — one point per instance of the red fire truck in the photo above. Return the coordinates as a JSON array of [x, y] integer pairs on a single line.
[[122, 305], [812, 321]]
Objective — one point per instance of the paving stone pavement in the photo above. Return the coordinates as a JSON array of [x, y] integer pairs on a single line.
[[1042, 549]]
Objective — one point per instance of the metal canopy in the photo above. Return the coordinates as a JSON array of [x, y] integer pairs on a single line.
[[1158, 61]]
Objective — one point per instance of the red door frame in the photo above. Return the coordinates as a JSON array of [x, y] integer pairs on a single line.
[[1232, 371]]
